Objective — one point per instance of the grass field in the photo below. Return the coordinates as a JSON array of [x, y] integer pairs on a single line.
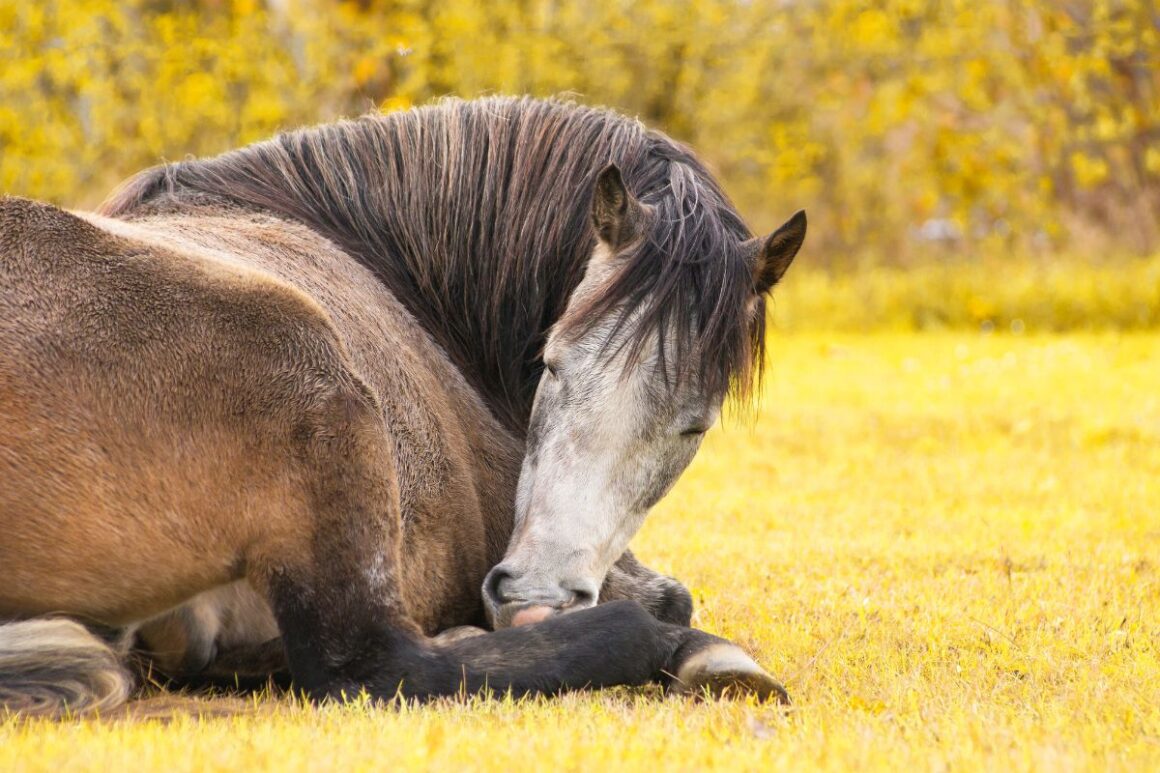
[[947, 544]]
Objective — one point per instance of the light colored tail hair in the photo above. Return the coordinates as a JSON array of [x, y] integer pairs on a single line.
[[56, 667]]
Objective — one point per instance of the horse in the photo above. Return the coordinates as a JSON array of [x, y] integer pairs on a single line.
[[361, 389]]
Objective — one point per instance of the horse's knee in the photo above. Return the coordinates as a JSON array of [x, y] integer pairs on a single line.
[[666, 598], [674, 603]]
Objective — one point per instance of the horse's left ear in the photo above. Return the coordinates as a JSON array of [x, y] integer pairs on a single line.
[[616, 215], [776, 252]]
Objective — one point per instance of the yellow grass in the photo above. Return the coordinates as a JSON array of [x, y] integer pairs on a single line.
[[947, 544]]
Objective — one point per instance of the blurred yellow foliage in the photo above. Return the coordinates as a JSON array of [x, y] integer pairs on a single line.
[[906, 127]]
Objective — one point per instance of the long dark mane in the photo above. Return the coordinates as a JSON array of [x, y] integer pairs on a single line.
[[476, 215]]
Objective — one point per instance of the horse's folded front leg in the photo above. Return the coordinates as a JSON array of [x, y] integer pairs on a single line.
[[617, 643]]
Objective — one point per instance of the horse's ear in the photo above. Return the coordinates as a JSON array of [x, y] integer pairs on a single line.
[[616, 215], [775, 253]]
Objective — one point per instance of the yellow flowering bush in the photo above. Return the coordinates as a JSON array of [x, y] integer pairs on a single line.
[[912, 130]]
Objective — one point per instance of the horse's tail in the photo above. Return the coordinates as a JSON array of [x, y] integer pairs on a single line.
[[53, 667]]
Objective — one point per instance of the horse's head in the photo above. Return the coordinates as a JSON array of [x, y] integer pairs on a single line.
[[635, 372]]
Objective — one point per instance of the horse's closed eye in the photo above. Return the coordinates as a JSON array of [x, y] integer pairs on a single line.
[[694, 431]]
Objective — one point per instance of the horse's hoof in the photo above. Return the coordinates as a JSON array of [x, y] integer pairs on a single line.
[[725, 671]]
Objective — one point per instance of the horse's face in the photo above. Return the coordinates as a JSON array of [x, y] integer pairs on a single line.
[[609, 433]]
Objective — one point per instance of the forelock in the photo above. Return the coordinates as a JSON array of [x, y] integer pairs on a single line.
[[687, 282]]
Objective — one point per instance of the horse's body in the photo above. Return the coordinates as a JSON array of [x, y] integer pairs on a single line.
[[211, 405], [180, 310]]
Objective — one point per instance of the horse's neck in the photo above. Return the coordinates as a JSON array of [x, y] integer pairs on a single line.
[[485, 275], [493, 333]]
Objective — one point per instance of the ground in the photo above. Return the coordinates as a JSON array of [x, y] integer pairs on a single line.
[[946, 544]]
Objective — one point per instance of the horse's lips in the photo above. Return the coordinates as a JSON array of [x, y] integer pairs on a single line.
[[530, 615]]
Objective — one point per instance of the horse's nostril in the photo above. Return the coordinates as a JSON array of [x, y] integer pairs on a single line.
[[494, 585]]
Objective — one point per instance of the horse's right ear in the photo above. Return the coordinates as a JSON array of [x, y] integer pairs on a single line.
[[616, 215]]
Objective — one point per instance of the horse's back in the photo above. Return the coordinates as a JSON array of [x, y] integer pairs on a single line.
[[149, 405]]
